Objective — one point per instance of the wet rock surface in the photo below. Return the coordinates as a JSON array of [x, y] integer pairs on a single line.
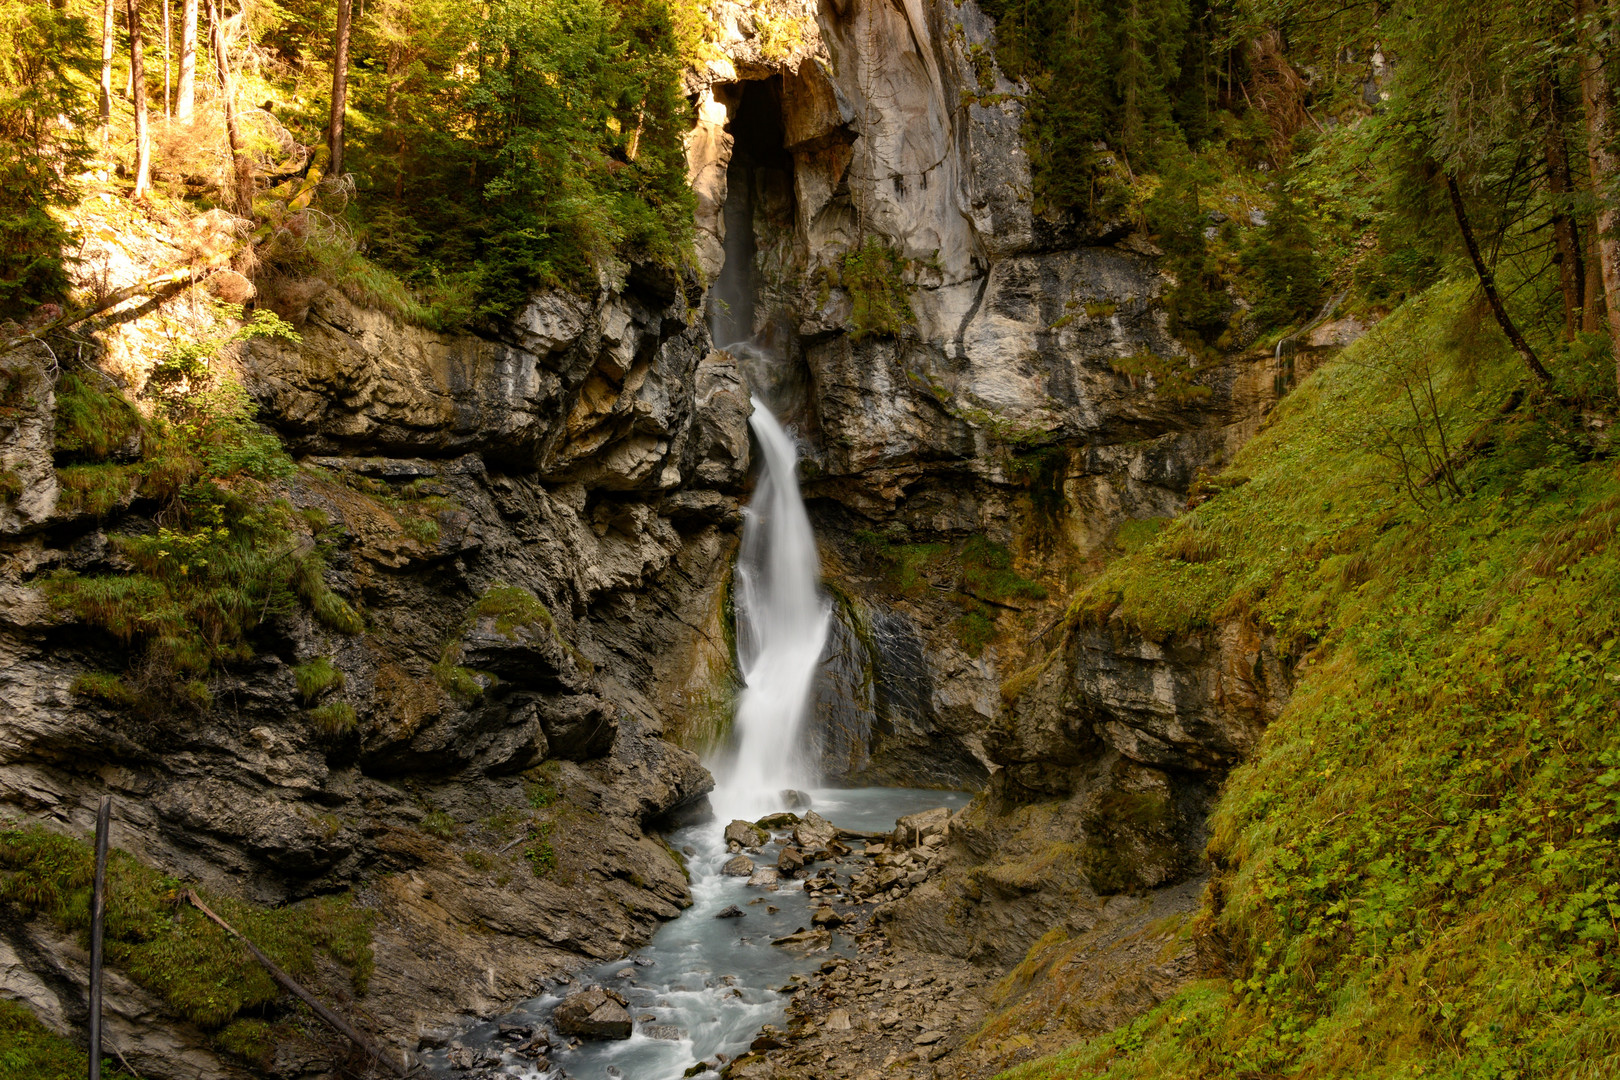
[[593, 1014]]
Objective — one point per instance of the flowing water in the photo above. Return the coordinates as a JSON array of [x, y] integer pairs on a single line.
[[781, 629], [704, 986]]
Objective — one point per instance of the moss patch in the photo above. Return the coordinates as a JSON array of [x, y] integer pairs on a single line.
[[31, 1051], [169, 947]]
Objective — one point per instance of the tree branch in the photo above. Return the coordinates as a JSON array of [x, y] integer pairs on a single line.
[[1487, 282]]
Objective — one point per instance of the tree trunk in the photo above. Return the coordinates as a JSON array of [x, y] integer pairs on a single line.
[[242, 166], [185, 94], [167, 65], [1487, 282], [340, 89], [106, 69], [1571, 266], [1598, 98], [137, 91]]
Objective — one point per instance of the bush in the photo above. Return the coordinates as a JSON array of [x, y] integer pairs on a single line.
[[316, 677], [871, 274]]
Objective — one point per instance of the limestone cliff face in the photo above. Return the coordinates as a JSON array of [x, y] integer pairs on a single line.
[[999, 409]]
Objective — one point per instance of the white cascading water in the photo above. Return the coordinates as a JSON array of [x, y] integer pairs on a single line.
[[781, 629]]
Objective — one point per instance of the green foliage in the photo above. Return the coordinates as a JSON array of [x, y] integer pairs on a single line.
[[333, 718], [222, 555], [987, 572], [169, 947], [1418, 872], [96, 490], [1128, 76], [1285, 262], [104, 686], [542, 791], [1198, 304], [31, 1051], [250, 1040], [512, 608], [901, 564], [316, 677], [440, 824], [879, 298], [45, 64], [975, 628], [1172, 376], [541, 856], [91, 424], [1136, 533], [554, 160]]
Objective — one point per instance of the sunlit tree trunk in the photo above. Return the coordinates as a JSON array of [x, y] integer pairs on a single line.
[[1597, 97], [106, 68], [137, 90], [340, 88], [185, 94], [241, 165], [167, 66]]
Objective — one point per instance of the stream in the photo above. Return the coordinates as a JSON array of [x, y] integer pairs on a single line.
[[704, 985]]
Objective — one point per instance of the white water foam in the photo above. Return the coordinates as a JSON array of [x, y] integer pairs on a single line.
[[782, 620]]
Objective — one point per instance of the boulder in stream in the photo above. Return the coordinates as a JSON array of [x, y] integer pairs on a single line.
[[813, 831], [732, 912], [790, 861], [746, 834], [794, 799], [594, 1013], [806, 940], [778, 821], [738, 866]]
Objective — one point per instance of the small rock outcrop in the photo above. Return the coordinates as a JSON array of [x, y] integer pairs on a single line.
[[594, 1013]]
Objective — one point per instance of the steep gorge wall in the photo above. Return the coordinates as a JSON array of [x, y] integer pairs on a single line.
[[590, 457]]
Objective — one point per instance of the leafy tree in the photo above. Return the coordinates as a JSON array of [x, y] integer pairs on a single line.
[[45, 60]]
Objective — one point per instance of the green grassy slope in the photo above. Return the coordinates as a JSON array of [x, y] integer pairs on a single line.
[[1419, 872]]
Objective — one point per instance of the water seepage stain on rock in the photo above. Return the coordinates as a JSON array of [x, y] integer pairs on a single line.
[[595, 1013]]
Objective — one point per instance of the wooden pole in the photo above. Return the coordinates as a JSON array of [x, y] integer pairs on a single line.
[[336, 1022], [98, 907]]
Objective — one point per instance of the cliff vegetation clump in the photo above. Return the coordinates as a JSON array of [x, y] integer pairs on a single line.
[[171, 949], [214, 550]]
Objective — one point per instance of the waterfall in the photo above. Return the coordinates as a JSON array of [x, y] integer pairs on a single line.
[[781, 628]]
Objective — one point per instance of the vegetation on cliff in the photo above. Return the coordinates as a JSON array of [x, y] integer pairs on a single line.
[[1417, 872], [171, 949]]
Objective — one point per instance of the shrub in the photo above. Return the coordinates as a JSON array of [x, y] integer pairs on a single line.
[[333, 718], [316, 677], [881, 306]]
